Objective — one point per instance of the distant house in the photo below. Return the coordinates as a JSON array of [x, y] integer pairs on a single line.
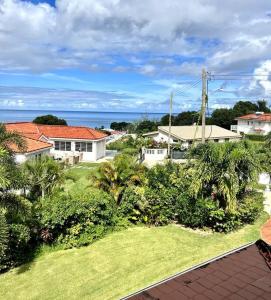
[[63, 142], [33, 149], [185, 135], [258, 123]]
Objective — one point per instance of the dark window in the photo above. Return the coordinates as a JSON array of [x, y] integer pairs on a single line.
[[77, 146], [227, 140], [83, 147], [216, 140], [89, 147], [56, 145], [63, 146], [68, 146]]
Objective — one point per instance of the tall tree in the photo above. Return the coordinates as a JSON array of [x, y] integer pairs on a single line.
[[49, 120], [244, 107], [262, 106], [42, 175], [113, 177], [224, 170], [222, 117]]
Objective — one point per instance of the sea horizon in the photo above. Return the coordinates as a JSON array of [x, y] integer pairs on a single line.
[[78, 117]]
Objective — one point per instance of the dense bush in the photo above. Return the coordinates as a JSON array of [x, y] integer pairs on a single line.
[[207, 213], [145, 205], [255, 137], [76, 219]]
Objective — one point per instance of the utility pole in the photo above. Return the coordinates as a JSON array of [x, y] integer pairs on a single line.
[[169, 124], [203, 106]]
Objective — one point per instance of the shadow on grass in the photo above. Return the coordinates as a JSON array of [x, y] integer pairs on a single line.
[[29, 260]]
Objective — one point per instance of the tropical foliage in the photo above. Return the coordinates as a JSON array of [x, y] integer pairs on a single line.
[[113, 177], [42, 176], [223, 171]]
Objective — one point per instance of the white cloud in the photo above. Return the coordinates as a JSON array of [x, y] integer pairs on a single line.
[[88, 33]]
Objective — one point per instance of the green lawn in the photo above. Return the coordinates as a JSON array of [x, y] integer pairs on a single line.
[[119, 264], [80, 174]]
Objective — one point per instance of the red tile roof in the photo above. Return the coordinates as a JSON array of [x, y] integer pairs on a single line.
[[241, 274], [71, 132], [55, 131], [32, 145], [256, 117]]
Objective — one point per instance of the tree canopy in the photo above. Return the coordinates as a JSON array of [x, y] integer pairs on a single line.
[[49, 120]]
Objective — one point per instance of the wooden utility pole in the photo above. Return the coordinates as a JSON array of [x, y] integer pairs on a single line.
[[203, 106], [169, 124]]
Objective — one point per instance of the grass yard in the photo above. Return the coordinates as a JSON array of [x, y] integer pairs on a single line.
[[119, 264], [80, 174]]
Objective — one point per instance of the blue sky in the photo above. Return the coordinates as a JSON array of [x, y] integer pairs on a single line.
[[111, 55]]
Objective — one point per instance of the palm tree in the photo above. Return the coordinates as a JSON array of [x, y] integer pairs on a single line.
[[42, 175], [224, 171], [113, 177], [8, 138]]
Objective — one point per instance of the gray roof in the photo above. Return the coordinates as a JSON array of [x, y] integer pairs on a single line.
[[194, 132]]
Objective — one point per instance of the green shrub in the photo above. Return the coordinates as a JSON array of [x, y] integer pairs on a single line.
[[79, 218], [250, 207], [19, 237], [194, 213], [3, 240], [255, 137], [146, 205], [222, 221]]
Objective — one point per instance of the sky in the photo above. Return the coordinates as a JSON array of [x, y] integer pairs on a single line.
[[119, 55]]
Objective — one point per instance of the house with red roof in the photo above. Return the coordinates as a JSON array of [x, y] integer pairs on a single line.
[[60, 141], [257, 123]]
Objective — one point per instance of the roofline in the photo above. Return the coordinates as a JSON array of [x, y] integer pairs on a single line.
[[172, 134], [75, 139], [207, 138], [28, 152], [150, 133], [188, 270]]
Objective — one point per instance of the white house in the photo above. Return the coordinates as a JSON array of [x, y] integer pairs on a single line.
[[258, 123], [66, 142], [33, 149], [185, 135]]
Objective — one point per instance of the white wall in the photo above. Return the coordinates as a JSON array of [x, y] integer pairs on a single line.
[[154, 154], [248, 127], [22, 157], [98, 150]]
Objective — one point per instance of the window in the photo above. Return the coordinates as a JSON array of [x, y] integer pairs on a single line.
[[227, 140], [216, 140], [57, 145], [160, 151], [83, 147], [62, 146], [149, 151]]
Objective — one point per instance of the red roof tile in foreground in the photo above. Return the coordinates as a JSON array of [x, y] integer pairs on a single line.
[[32, 145], [256, 117], [266, 232], [32, 130], [241, 274]]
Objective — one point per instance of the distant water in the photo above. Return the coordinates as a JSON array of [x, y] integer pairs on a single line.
[[78, 118]]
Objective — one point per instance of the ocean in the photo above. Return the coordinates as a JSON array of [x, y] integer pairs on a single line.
[[78, 118]]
